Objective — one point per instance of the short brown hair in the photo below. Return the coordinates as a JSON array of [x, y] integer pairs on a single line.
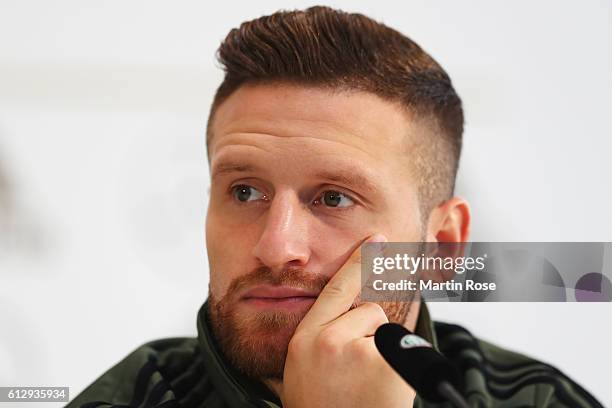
[[333, 49]]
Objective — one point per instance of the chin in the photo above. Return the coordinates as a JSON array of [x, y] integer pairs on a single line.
[[255, 340]]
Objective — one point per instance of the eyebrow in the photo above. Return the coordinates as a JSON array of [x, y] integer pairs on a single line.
[[350, 176], [231, 167]]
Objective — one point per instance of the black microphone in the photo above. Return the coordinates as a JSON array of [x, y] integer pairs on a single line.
[[415, 360]]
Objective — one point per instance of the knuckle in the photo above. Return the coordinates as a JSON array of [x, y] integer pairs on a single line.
[[327, 342], [360, 351], [332, 289], [375, 310], [298, 344]]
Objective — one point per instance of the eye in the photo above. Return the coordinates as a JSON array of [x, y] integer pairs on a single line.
[[244, 193], [333, 198]]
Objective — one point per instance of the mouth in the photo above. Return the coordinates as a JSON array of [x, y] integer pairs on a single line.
[[279, 298]]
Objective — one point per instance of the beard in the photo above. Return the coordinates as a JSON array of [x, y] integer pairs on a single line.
[[256, 343]]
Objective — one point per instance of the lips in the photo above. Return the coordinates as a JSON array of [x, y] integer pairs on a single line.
[[277, 298], [269, 292]]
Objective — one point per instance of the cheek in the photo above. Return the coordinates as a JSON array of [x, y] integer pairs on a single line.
[[229, 251], [332, 246], [399, 222], [404, 225], [403, 220]]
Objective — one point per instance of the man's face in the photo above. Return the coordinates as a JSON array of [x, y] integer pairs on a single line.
[[300, 176]]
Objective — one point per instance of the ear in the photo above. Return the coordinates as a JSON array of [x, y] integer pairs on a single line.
[[450, 221]]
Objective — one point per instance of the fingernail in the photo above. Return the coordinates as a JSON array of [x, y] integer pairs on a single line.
[[377, 238], [379, 241]]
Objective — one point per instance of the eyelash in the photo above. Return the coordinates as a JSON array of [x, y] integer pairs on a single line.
[[232, 191], [319, 198]]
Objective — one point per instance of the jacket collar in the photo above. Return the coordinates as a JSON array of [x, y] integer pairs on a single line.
[[425, 326], [238, 390]]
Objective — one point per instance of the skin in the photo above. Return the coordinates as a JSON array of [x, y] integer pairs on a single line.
[[292, 144]]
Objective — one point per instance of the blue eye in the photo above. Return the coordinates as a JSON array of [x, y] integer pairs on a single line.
[[332, 198], [246, 193]]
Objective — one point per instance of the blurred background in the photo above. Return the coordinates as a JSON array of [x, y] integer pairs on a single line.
[[103, 173]]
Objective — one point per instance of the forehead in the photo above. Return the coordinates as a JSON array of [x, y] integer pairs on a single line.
[[354, 121]]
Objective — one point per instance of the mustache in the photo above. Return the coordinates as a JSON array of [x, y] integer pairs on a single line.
[[295, 277]]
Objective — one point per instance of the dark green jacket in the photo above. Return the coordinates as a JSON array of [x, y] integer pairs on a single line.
[[190, 372]]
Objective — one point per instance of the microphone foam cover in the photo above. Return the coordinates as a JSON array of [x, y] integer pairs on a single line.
[[416, 361]]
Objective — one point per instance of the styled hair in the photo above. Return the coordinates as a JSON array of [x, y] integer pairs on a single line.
[[323, 47]]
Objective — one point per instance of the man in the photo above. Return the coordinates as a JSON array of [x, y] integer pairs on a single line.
[[329, 130]]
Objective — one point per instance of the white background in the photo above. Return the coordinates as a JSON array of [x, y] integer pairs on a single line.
[[103, 176]]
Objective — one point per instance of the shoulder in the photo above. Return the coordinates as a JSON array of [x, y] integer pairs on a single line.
[[495, 376], [156, 373]]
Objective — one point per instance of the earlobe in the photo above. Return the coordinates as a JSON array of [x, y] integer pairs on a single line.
[[450, 221]]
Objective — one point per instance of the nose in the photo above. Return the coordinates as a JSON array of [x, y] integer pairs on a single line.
[[284, 239]]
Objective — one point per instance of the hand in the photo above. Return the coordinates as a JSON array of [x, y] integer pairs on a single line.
[[332, 360]]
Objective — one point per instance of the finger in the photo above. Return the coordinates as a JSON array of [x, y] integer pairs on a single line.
[[340, 292], [356, 323], [364, 350], [364, 353]]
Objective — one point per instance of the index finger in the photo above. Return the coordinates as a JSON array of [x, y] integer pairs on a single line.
[[340, 292]]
